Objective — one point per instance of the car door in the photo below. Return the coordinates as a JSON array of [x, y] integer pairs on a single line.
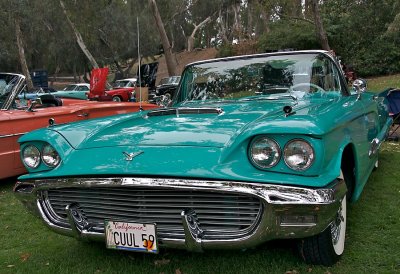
[[7, 140], [366, 131], [72, 93], [359, 120], [375, 122], [81, 92]]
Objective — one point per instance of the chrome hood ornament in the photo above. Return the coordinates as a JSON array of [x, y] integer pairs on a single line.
[[130, 156]]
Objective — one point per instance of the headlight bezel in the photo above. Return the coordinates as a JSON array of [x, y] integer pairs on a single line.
[[250, 152], [23, 156], [292, 167]]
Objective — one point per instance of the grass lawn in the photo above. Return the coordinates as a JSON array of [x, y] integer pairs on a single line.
[[383, 82], [372, 245]]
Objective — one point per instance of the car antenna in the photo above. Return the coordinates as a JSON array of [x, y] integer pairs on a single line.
[[140, 78]]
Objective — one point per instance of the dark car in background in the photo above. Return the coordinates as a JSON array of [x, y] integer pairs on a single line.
[[168, 85]]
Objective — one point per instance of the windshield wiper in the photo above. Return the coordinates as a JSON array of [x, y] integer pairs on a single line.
[[183, 110], [269, 97]]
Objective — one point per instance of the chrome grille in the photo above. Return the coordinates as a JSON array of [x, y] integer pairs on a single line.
[[222, 215]]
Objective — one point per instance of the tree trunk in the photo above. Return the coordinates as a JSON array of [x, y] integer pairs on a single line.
[[307, 8], [79, 38], [130, 66], [76, 78], [237, 25], [196, 28], [55, 75], [86, 78], [250, 11], [21, 52], [262, 26], [319, 28], [223, 30], [296, 8], [169, 58]]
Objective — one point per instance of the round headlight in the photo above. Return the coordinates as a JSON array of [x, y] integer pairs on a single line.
[[31, 156], [50, 156], [264, 152], [298, 154]]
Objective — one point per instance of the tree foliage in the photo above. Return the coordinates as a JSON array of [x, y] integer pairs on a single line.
[[365, 33]]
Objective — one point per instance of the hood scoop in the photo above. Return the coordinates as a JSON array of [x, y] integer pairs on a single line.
[[178, 111]]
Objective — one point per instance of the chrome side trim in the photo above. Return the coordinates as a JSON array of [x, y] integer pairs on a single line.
[[374, 147], [12, 135]]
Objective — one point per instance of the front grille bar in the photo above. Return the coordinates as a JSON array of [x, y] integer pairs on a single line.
[[223, 215]]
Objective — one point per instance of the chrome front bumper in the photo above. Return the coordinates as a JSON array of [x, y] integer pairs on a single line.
[[286, 212]]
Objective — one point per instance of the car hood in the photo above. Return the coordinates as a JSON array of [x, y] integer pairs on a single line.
[[214, 126]]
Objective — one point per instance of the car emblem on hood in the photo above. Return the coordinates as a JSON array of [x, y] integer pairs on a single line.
[[130, 156]]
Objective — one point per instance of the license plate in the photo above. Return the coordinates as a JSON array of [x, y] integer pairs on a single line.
[[131, 236]]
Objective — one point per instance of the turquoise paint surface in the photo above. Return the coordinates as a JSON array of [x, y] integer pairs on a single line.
[[215, 145]]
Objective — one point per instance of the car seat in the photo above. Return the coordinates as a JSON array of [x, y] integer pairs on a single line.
[[393, 97], [49, 100]]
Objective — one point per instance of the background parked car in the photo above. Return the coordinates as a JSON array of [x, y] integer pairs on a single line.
[[76, 91], [168, 85], [19, 115], [125, 83], [100, 92]]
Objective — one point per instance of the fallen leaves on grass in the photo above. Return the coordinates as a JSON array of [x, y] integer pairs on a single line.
[[161, 262], [178, 271], [25, 256], [10, 265], [292, 272]]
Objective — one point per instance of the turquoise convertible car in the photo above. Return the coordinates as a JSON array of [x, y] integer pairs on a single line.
[[250, 149]]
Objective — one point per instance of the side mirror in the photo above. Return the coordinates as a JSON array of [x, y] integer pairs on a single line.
[[360, 86], [34, 103]]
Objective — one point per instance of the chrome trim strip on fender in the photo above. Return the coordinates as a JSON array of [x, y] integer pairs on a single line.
[[12, 135]]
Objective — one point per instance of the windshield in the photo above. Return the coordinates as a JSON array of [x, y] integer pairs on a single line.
[[8, 83], [121, 84], [164, 81], [260, 77], [70, 87], [173, 80]]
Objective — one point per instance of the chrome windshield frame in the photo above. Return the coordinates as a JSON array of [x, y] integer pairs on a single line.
[[20, 83]]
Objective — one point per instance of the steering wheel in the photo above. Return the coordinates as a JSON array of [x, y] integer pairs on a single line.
[[307, 85]]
